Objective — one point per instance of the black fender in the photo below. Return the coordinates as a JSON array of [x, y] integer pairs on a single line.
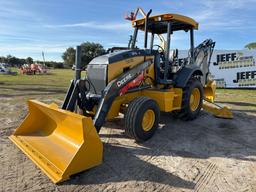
[[183, 75]]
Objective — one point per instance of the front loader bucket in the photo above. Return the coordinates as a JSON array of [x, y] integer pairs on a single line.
[[59, 142]]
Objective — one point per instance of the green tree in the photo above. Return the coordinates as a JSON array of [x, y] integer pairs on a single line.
[[13, 61], [29, 60], [8, 59], [251, 45], [3, 59], [89, 51], [69, 56]]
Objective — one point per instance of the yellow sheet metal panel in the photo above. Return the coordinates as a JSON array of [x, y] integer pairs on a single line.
[[124, 99], [217, 111], [150, 72], [164, 98], [117, 68], [177, 102], [209, 90], [168, 100], [59, 142], [167, 17]]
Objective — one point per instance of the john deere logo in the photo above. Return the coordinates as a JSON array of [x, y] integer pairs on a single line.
[[124, 80]]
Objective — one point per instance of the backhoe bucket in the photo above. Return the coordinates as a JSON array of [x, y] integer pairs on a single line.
[[217, 111], [59, 142]]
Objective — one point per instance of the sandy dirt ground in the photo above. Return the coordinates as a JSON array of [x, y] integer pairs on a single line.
[[207, 154]]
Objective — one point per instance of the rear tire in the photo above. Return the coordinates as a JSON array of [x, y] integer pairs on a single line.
[[142, 118], [192, 100]]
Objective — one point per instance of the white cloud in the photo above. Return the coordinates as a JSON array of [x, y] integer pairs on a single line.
[[95, 25], [29, 30], [34, 48], [14, 10], [218, 14], [227, 4]]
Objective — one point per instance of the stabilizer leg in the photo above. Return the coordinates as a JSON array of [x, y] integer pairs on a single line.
[[217, 110]]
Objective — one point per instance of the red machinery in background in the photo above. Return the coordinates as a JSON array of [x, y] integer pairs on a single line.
[[33, 69]]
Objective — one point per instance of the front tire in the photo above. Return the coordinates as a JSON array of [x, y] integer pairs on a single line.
[[192, 100], [142, 118]]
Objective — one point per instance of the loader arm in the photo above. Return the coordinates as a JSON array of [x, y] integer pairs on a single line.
[[79, 95], [113, 90]]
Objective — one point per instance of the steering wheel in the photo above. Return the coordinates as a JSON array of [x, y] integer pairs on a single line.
[[162, 56], [159, 48]]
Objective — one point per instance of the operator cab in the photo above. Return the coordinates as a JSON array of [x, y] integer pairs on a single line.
[[159, 25]]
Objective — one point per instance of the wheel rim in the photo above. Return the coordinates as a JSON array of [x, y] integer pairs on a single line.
[[148, 120], [194, 99]]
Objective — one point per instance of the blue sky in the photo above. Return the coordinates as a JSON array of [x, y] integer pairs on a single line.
[[30, 27]]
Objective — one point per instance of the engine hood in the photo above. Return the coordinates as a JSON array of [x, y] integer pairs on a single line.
[[117, 56]]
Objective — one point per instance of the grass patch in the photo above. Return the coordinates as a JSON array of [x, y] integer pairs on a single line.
[[56, 77], [49, 86], [53, 86], [236, 95]]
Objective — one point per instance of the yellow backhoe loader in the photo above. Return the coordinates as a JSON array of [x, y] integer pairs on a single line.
[[139, 82]]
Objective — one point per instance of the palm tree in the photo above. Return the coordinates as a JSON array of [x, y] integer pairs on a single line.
[[251, 45]]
